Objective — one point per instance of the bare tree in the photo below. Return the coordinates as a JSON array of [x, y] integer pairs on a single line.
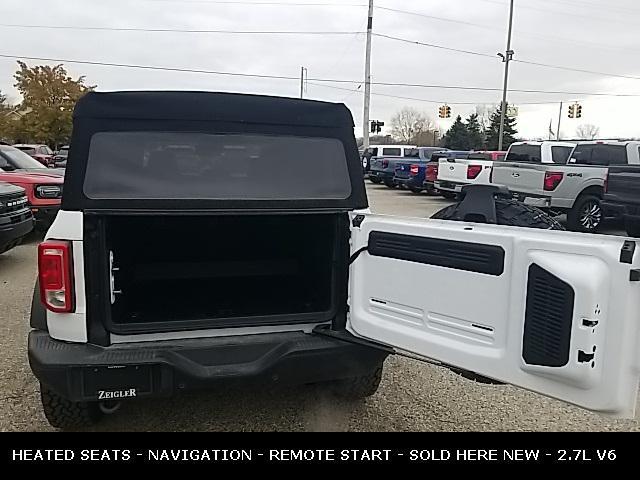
[[587, 131], [484, 112], [409, 124]]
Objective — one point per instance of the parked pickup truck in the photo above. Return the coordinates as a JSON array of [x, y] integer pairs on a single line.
[[16, 220], [151, 281], [455, 173], [383, 168], [622, 190], [410, 173], [383, 151], [575, 188], [431, 170]]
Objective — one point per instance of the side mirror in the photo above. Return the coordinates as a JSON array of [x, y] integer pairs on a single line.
[[8, 168]]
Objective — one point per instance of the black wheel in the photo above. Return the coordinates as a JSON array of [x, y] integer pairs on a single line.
[[511, 212], [449, 195], [358, 387], [416, 190], [586, 214], [390, 183], [65, 414], [632, 227], [375, 180]]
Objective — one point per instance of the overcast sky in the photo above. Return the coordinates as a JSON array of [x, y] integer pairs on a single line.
[[596, 35]]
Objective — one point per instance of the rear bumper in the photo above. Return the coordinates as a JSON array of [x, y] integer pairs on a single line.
[[15, 227], [80, 371], [412, 182], [384, 176], [449, 186]]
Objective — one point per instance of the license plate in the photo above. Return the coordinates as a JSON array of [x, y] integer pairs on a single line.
[[115, 382]]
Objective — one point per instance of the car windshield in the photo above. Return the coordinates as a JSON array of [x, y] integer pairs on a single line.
[[18, 159], [525, 153], [412, 152], [29, 150]]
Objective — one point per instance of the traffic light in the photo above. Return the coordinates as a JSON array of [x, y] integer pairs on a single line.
[[444, 111], [578, 111], [376, 126], [572, 111]]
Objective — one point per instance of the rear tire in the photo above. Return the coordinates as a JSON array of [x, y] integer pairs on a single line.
[[511, 212], [65, 414], [416, 190], [390, 183], [449, 195], [358, 387], [586, 214], [375, 180], [632, 227]]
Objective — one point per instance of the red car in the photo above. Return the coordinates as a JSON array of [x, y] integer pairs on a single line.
[[42, 153], [43, 187]]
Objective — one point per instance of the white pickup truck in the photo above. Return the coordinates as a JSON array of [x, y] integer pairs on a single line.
[[455, 173], [575, 187]]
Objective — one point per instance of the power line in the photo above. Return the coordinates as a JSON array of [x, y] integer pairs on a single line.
[[180, 30], [551, 38], [572, 69], [560, 12], [241, 3], [433, 45], [529, 62], [323, 80], [378, 94]]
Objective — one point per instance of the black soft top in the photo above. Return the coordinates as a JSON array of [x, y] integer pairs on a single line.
[[210, 106], [213, 113]]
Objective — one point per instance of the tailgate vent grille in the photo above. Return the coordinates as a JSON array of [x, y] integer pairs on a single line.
[[548, 318]]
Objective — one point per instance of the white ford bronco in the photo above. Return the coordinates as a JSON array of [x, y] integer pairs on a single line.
[[207, 239]]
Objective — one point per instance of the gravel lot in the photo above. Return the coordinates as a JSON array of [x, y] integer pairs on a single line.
[[413, 396]]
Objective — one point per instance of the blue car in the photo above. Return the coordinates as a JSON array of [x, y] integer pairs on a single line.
[[410, 172]]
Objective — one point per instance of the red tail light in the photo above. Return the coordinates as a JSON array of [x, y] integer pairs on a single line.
[[55, 274], [432, 173], [473, 171], [414, 169], [385, 163], [552, 180]]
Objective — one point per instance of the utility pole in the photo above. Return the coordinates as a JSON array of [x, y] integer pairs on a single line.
[[367, 79], [303, 71], [506, 58], [559, 118]]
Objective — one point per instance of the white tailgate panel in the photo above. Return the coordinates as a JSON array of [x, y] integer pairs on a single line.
[[475, 321]]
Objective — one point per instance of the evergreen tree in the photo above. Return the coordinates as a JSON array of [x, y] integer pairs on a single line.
[[493, 132], [457, 137], [474, 129]]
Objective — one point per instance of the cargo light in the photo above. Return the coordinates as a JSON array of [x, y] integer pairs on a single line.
[[55, 275], [414, 170]]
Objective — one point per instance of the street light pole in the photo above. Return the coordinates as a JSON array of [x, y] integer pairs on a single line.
[[559, 120], [506, 58], [303, 70], [367, 79]]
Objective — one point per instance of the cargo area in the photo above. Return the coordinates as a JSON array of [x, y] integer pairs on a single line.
[[175, 272]]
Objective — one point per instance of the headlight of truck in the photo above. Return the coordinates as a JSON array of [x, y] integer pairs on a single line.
[[49, 191]]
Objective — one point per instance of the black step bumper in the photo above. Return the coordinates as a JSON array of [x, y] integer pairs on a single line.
[[80, 372]]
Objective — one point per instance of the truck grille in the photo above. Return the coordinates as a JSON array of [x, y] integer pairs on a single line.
[[12, 204], [548, 318]]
